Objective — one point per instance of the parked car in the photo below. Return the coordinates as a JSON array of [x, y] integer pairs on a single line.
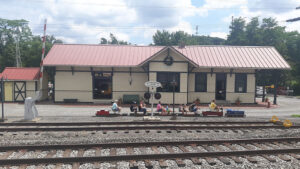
[[259, 91]]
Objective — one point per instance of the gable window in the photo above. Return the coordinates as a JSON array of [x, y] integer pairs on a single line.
[[240, 83], [166, 79], [200, 82]]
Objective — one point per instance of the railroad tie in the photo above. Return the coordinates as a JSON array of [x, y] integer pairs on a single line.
[[179, 161], [132, 163], [296, 156], [51, 154], [209, 160], [234, 158], [113, 152], [161, 162], [7, 154], [249, 158], [39, 167], [67, 153], [148, 164], [80, 152], [269, 158], [97, 154], [75, 165], [23, 166], [98, 151], [195, 160], [282, 156], [223, 159], [20, 153], [58, 166]]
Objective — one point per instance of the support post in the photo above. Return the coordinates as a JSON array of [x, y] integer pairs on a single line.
[[276, 74], [173, 97], [2, 99]]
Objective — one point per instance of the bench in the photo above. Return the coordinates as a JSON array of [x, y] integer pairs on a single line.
[[128, 99], [70, 100]]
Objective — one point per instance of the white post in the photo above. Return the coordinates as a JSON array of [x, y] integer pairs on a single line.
[[152, 100]]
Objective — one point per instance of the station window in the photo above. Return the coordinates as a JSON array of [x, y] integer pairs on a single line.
[[166, 79], [240, 83], [102, 85], [200, 82]]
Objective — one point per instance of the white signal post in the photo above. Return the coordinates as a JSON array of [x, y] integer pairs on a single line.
[[152, 85]]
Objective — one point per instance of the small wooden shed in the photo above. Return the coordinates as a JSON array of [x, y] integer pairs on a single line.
[[19, 83]]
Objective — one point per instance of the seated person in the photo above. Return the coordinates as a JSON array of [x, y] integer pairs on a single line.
[[142, 107], [183, 109], [160, 108], [213, 106], [115, 107], [168, 110], [133, 108], [193, 107]]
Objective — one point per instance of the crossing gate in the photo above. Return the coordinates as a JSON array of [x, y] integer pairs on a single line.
[[19, 91]]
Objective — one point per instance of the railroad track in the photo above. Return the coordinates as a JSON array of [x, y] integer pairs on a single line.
[[225, 151], [127, 123], [141, 125]]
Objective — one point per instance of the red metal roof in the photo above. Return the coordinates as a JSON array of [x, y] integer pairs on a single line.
[[14, 73], [256, 57], [99, 55], [260, 57]]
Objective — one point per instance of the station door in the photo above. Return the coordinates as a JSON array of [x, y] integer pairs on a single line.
[[8, 91], [19, 91]]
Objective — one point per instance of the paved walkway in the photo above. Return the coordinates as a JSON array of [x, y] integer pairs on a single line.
[[286, 107]]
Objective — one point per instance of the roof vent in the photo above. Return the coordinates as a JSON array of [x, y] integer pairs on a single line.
[[181, 45]]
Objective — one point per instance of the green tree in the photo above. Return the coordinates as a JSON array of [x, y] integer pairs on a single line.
[[164, 38], [30, 45], [113, 40], [237, 34]]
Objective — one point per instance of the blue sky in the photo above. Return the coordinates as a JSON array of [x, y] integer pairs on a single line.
[[135, 21]]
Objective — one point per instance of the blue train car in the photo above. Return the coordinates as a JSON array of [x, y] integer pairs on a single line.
[[235, 113]]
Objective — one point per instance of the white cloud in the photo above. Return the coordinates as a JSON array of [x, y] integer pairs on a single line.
[[79, 21], [222, 35]]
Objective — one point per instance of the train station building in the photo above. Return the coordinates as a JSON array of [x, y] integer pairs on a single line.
[[101, 73]]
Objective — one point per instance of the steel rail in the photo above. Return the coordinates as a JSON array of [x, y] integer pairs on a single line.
[[145, 144], [127, 123], [145, 156], [156, 127]]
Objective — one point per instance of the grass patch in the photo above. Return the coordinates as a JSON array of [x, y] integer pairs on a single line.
[[295, 115]]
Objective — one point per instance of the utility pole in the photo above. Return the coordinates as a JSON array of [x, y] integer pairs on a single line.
[[294, 19], [18, 54], [196, 30]]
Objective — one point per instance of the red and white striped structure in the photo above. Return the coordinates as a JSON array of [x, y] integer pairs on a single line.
[[43, 55]]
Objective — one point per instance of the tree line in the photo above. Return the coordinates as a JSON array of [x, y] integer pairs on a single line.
[[30, 46], [256, 32]]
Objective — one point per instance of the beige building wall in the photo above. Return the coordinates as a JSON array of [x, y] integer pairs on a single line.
[[76, 86], [206, 97], [79, 85], [121, 84], [244, 97], [156, 65]]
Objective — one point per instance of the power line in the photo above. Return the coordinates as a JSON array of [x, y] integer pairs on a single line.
[[146, 6], [294, 19]]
